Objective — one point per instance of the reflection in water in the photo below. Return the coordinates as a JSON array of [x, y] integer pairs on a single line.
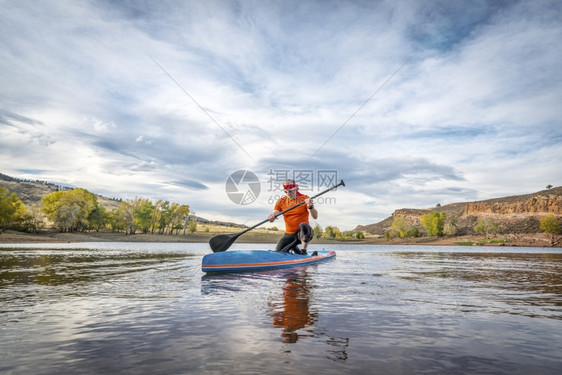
[[293, 310], [293, 313], [59, 267], [297, 316], [516, 283]]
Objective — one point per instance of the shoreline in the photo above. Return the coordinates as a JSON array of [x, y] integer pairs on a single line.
[[509, 240]]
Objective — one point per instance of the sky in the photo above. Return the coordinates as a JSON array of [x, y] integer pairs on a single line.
[[411, 103]]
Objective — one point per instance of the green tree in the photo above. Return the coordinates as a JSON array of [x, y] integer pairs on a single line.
[[486, 227], [347, 235], [117, 220], [12, 210], [98, 218], [69, 210], [187, 217], [317, 231], [400, 226], [338, 233], [413, 232], [127, 215], [34, 219], [433, 223], [142, 214], [332, 232], [173, 217], [549, 224], [51, 202], [165, 217], [83, 203], [156, 216], [192, 226], [359, 235], [183, 216]]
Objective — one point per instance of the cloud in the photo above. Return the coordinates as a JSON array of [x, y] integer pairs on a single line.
[[191, 184], [101, 126], [83, 101], [13, 119]]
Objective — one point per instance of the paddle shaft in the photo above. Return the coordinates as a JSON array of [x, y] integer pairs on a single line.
[[292, 208]]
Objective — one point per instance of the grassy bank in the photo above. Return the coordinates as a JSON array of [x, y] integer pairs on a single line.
[[255, 236], [269, 236]]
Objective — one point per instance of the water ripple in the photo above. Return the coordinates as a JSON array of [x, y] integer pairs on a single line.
[[137, 308]]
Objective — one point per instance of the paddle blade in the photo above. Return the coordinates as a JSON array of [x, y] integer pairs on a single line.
[[222, 242]]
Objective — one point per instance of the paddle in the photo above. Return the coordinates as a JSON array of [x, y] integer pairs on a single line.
[[223, 241]]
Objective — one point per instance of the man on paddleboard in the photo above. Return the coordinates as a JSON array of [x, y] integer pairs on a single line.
[[297, 228]]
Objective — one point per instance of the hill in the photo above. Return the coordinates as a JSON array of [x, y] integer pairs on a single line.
[[513, 214], [30, 192]]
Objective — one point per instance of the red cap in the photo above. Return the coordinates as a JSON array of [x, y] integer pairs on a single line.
[[290, 186]]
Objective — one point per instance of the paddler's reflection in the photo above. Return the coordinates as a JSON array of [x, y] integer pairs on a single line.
[[293, 309], [293, 312]]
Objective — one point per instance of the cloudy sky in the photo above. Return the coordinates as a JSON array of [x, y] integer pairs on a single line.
[[411, 103]]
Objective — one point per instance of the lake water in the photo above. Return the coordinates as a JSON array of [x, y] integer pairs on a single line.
[[145, 308]]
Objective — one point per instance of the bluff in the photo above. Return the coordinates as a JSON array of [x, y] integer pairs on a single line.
[[513, 214]]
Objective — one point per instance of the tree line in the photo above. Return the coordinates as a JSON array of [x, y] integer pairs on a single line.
[[436, 225], [334, 233], [78, 210]]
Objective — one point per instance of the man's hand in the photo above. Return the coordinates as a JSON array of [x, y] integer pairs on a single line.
[[273, 216]]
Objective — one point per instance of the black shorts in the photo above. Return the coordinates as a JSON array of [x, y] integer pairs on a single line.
[[289, 241]]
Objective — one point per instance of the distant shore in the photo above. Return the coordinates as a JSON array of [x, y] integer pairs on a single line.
[[529, 240]]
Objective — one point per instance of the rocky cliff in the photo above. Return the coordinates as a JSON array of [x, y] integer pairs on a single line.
[[539, 204], [513, 214]]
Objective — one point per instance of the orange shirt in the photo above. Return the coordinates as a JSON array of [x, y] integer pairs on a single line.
[[294, 217]]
